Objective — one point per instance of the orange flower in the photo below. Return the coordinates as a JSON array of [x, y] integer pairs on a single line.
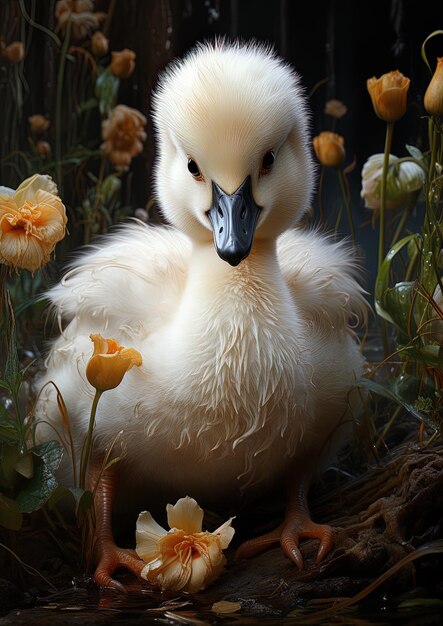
[[185, 558], [38, 123], [123, 134], [123, 63], [434, 93], [329, 148], [32, 221], [109, 363], [80, 13], [99, 44], [388, 94], [15, 52]]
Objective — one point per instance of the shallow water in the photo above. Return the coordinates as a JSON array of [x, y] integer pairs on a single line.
[[84, 604]]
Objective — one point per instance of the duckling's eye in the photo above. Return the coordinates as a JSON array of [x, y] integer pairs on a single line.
[[267, 163], [195, 170]]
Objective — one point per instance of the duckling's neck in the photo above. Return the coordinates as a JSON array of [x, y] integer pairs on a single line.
[[216, 282]]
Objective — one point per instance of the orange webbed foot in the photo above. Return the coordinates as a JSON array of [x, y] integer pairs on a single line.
[[289, 536], [111, 557]]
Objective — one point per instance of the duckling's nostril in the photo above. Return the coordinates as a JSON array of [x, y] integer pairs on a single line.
[[243, 213], [220, 212], [220, 230]]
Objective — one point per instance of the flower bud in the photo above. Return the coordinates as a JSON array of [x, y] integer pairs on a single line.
[[335, 108], [388, 94], [99, 44], [43, 149], [123, 63], [15, 52], [329, 149], [434, 94], [403, 178], [38, 123]]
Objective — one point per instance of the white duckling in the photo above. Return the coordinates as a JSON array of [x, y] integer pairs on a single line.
[[242, 319]]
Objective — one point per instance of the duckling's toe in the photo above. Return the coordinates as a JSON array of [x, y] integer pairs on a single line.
[[111, 558], [289, 536], [296, 530], [259, 544]]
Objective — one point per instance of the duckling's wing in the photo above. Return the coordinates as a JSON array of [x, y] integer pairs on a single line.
[[128, 285], [324, 278]]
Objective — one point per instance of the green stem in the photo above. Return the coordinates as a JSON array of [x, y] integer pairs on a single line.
[[86, 452], [405, 216], [58, 107], [346, 201], [381, 241]]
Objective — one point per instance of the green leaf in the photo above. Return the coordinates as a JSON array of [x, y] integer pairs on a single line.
[[12, 367], [62, 492], [37, 491], [84, 505], [398, 302], [383, 277], [9, 455], [106, 90], [10, 516], [415, 152], [25, 465]]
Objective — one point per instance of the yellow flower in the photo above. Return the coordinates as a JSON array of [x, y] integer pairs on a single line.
[[32, 221], [434, 93], [99, 43], [123, 63], [329, 148], [388, 94], [335, 108], [38, 123], [109, 363], [185, 558], [123, 134], [15, 52]]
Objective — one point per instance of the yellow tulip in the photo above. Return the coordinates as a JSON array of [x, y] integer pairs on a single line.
[[109, 363], [434, 93], [329, 148], [38, 123], [388, 94]]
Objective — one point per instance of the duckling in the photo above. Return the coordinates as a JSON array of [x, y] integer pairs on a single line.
[[242, 317]]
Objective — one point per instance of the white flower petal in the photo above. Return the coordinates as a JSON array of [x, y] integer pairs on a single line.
[[147, 535], [185, 515], [6, 191], [29, 187], [225, 532]]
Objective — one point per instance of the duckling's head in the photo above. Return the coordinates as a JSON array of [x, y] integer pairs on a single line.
[[234, 163]]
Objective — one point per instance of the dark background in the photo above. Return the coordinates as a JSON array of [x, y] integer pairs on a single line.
[[336, 45]]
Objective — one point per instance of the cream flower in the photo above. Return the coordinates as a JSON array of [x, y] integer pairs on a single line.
[[123, 135], [32, 221], [80, 12], [109, 362], [185, 558], [335, 108], [403, 178]]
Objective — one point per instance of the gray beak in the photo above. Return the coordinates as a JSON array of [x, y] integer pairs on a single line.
[[233, 218]]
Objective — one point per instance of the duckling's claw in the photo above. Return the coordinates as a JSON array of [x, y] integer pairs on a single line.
[[258, 544], [111, 558], [307, 529]]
